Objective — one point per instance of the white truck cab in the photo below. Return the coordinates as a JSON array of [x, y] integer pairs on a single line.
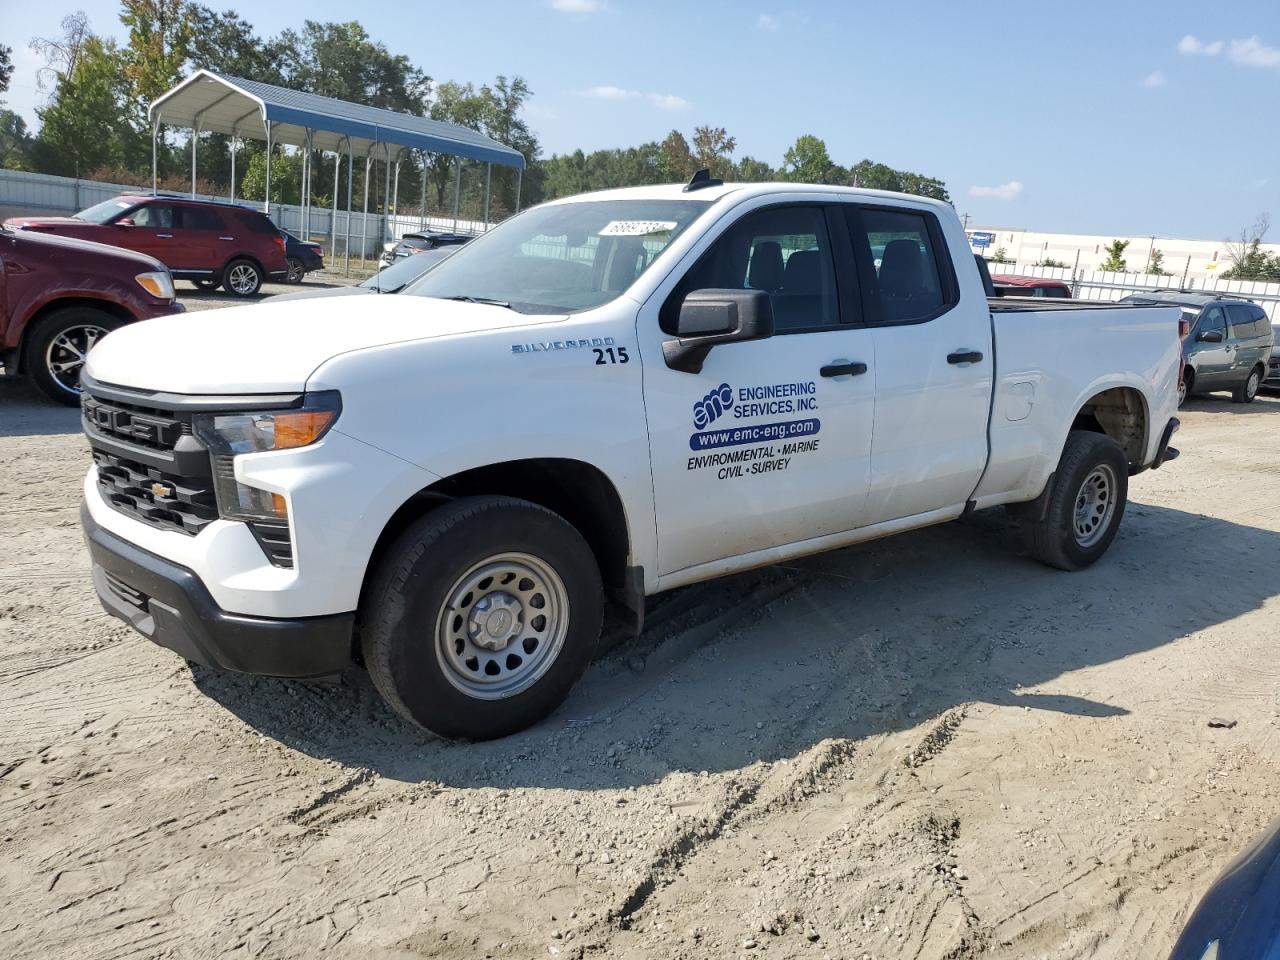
[[609, 395]]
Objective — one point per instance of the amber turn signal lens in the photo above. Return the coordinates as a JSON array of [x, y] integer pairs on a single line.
[[302, 428]]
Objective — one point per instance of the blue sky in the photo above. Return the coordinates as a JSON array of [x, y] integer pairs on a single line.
[[1094, 117]]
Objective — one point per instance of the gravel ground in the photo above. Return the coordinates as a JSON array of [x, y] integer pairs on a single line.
[[925, 747], [194, 299]]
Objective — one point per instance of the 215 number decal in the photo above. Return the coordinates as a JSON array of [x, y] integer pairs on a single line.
[[613, 355]]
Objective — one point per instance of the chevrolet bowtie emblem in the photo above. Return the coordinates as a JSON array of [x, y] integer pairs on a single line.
[[161, 490]]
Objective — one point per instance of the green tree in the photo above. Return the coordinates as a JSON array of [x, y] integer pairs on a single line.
[[225, 42], [6, 66], [675, 159], [160, 34], [1050, 262], [751, 170], [339, 60], [1001, 256], [87, 124], [1115, 262], [1254, 264], [807, 161], [15, 142], [713, 150], [284, 178], [1155, 265], [878, 176]]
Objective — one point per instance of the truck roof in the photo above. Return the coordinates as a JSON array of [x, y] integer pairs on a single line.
[[676, 191]]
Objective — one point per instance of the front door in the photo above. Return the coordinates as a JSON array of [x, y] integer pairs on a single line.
[[761, 449], [152, 232], [934, 364], [1213, 358]]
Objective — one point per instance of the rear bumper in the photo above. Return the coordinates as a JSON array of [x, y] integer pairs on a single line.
[[1273, 372], [169, 605]]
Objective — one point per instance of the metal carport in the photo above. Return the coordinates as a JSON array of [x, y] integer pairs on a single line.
[[210, 102]]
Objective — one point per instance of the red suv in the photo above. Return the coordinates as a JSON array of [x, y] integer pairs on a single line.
[[59, 297], [209, 243]]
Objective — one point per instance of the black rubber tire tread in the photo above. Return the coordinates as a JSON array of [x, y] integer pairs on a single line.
[[400, 610], [1189, 378], [1240, 393], [207, 285], [226, 277], [1052, 540], [45, 331]]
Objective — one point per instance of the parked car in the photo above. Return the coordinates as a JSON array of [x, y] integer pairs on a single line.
[[414, 243], [1010, 286], [208, 242], [302, 256], [1237, 918], [1228, 343], [625, 391], [59, 297], [393, 279]]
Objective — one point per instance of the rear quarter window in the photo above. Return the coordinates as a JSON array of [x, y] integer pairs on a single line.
[[258, 223]]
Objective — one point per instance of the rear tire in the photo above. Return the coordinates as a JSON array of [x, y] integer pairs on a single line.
[[1247, 391], [1186, 386], [206, 285], [56, 350], [481, 617], [296, 273], [1090, 489], [242, 278]]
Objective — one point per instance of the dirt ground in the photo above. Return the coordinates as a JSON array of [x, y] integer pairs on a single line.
[[928, 747]]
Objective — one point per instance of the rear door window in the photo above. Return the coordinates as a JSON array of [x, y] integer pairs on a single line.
[[1241, 319], [904, 249], [194, 218]]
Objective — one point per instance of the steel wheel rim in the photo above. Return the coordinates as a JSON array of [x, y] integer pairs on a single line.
[[502, 626], [1182, 393], [1095, 505], [64, 357], [243, 278]]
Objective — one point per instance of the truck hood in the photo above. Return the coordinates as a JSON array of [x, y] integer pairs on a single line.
[[274, 347], [35, 223]]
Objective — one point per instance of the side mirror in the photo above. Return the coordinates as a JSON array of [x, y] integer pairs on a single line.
[[125, 222], [711, 317], [1210, 336]]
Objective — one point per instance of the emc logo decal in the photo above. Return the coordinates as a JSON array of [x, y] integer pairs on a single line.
[[711, 407]]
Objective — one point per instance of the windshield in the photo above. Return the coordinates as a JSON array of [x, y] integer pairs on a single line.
[[104, 211], [562, 258], [394, 278]]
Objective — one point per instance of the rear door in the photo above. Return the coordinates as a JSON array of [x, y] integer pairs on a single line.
[[770, 443], [1247, 323], [197, 243], [934, 364]]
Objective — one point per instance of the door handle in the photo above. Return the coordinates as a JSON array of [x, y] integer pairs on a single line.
[[165, 236], [226, 238], [964, 356], [843, 368]]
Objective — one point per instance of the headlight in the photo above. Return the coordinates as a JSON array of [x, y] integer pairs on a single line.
[[158, 283], [227, 435]]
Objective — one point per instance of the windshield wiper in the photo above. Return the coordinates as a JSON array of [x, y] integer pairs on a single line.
[[486, 300]]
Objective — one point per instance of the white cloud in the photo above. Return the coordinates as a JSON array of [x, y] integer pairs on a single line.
[[668, 101], [1254, 53], [1154, 80], [607, 92], [578, 6], [1005, 191], [767, 22], [1193, 45], [663, 101]]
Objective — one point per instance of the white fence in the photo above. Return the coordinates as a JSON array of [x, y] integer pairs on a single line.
[[1103, 285], [27, 194]]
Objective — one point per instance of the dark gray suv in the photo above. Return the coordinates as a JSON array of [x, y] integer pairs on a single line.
[[1228, 346]]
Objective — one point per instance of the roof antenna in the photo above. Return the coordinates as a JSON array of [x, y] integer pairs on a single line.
[[702, 179]]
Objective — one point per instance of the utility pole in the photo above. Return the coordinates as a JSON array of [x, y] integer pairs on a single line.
[[965, 218]]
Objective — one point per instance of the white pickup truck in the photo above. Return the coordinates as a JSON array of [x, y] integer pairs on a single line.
[[606, 396]]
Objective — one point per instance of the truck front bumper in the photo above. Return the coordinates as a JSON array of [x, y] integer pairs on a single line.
[[169, 605]]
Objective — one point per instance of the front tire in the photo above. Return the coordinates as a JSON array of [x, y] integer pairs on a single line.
[[1248, 391], [481, 617], [1090, 490], [242, 278], [58, 347]]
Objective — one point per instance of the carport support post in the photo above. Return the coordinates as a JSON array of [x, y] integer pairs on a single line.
[[155, 133], [195, 138], [232, 195], [306, 189], [386, 195], [267, 201], [488, 177], [457, 189], [333, 217], [395, 192], [422, 206], [519, 182], [351, 172], [364, 220]]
